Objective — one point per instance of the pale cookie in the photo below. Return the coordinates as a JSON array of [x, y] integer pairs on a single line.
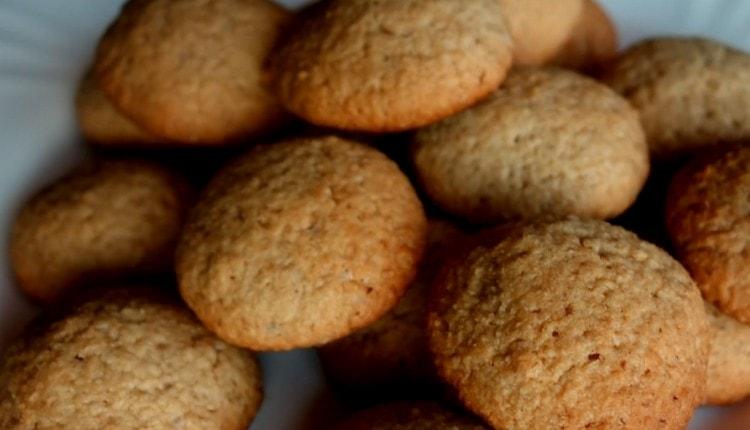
[[192, 70], [691, 93], [300, 243], [539, 27], [390, 65], [571, 324], [728, 377], [708, 219], [126, 359], [102, 124], [104, 220], [593, 41], [393, 350], [410, 416], [548, 142]]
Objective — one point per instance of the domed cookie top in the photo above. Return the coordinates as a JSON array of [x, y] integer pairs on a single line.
[[549, 141], [393, 350], [410, 416], [539, 27], [102, 124], [592, 42], [708, 218], [728, 375], [300, 243], [691, 93], [126, 359], [106, 219], [576, 323], [389, 65], [191, 70]]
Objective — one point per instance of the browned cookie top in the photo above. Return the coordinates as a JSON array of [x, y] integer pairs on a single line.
[[708, 218], [388, 65], [410, 416], [300, 243], [571, 324], [192, 70], [691, 93], [129, 358], [592, 42], [728, 375]]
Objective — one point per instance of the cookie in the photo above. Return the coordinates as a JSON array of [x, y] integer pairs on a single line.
[[410, 416], [192, 71], [300, 243], [393, 350], [593, 41], [708, 219], [728, 375], [126, 359], [105, 219], [548, 142], [539, 27], [571, 324], [102, 124], [388, 65], [691, 93]]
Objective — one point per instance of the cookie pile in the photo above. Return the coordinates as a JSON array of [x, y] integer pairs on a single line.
[[419, 189]]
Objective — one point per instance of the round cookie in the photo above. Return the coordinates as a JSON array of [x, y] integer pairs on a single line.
[[104, 220], [691, 93], [393, 350], [728, 375], [593, 41], [389, 65], [193, 71], [102, 124], [575, 322], [300, 243], [126, 359], [539, 27], [548, 142], [708, 219], [410, 416]]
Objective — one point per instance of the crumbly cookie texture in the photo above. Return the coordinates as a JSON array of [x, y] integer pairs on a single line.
[[393, 350], [549, 141], [192, 71], [102, 124], [418, 415], [571, 324], [106, 219], [387, 65], [300, 243], [593, 41], [691, 93], [728, 376], [708, 219], [539, 27], [127, 358]]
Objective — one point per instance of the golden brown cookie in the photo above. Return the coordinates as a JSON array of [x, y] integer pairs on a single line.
[[708, 219], [592, 42], [539, 27], [102, 124], [300, 243], [728, 376], [389, 65], [191, 70], [393, 350], [571, 324], [691, 93], [126, 359], [549, 141], [410, 416], [105, 219]]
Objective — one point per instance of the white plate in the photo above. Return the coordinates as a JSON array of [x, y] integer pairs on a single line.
[[46, 44]]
